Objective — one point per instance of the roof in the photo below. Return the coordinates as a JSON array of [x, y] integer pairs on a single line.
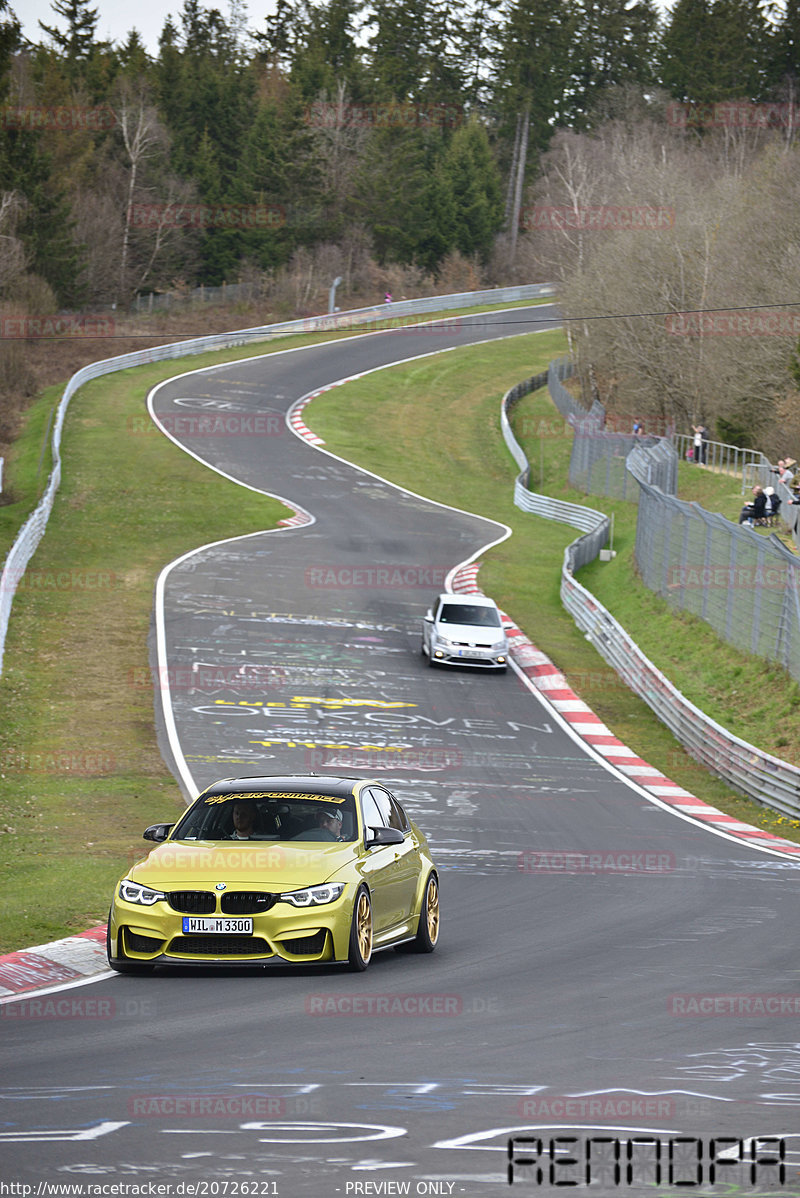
[[470, 600], [315, 784]]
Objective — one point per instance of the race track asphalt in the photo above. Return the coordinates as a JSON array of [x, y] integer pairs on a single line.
[[649, 997]]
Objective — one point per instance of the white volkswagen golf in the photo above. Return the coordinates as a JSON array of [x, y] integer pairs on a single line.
[[464, 630]]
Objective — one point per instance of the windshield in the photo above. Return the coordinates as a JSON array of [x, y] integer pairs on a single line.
[[269, 815], [468, 613]]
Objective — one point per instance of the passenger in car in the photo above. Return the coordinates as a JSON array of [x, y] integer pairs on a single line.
[[327, 826], [244, 821]]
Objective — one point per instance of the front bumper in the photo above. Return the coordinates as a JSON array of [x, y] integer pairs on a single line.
[[448, 655], [154, 936]]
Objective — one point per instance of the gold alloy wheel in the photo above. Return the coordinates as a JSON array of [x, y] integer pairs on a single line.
[[432, 909], [364, 925]]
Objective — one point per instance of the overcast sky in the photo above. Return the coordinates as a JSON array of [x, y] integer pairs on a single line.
[[116, 20]]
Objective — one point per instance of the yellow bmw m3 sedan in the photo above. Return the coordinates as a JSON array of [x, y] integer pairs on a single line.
[[278, 869]]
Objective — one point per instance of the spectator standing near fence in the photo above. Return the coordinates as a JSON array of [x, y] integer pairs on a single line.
[[700, 439], [784, 474]]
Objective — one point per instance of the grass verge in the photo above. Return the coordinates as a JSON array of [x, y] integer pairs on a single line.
[[393, 422], [80, 771]]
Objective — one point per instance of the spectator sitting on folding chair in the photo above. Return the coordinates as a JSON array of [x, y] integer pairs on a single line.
[[773, 502], [756, 509]]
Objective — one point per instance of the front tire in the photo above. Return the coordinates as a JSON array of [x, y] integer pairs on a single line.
[[360, 952], [429, 919]]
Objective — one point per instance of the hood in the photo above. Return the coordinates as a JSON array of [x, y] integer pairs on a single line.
[[273, 865]]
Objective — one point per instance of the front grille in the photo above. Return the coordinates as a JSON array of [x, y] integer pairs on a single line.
[[141, 944], [305, 945], [193, 902], [247, 902], [221, 946]]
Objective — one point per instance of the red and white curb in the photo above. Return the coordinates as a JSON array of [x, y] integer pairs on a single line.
[[297, 520], [553, 687], [73, 960], [297, 423]]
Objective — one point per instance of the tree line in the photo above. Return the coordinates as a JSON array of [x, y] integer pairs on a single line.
[[409, 128], [337, 137]]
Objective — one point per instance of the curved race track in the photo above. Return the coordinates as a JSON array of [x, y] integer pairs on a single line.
[[558, 1003]]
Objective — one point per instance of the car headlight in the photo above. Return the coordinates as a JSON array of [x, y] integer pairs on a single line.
[[442, 640], [132, 892], [314, 896], [499, 647]]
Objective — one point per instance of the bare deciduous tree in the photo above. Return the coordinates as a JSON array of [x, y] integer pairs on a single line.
[[675, 244]]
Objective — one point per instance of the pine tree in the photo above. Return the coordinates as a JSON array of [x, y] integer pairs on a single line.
[[76, 42], [616, 46], [46, 225], [133, 56], [716, 50], [323, 51], [203, 84], [10, 38], [398, 55], [404, 198], [475, 186], [785, 46], [535, 63]]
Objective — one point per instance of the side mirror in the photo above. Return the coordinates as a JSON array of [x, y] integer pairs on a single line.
[[428, 616], [378, 836], [157, 832]]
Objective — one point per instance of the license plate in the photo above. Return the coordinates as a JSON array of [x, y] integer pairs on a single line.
[[468, 653], [217, 926]]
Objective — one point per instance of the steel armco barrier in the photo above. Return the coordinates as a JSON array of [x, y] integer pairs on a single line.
[[32, 531], [767, 779]]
